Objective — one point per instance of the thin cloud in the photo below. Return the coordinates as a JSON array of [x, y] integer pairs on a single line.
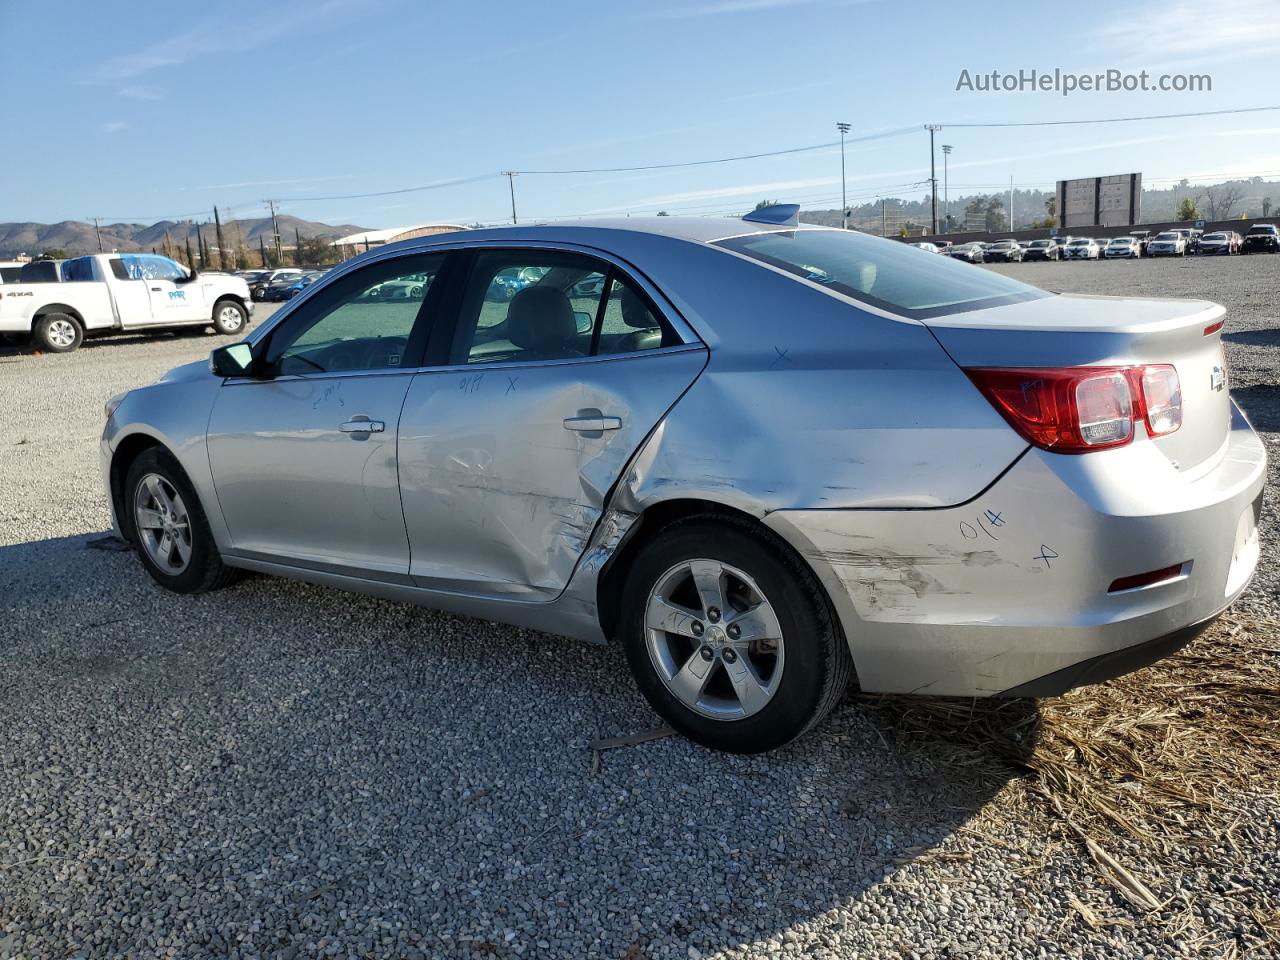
[[726, 7], [115, 126], [139, 92], [1186, 31], [272, 183], [210, 37]]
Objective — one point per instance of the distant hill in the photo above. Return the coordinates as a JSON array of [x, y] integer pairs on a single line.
[[77, 238]]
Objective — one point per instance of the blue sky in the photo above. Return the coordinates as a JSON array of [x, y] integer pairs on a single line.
[[152, 110]]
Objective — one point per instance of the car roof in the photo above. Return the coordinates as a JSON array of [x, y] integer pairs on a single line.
[[694, 229]]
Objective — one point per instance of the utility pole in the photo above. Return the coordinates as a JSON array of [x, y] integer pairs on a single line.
[[1011, 203], [511, 182], [933, 173], [946, 190], [275, 229], [98, 230], [884, 228], [844, 203]]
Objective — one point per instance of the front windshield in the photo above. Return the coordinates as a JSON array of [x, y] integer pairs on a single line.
[[883, 273], [1168, 236]]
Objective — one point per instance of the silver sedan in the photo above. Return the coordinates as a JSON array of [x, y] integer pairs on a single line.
[[768, 459]]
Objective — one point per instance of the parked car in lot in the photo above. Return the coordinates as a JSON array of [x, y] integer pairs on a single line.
[[925, 477], [258, 287], [127, 291], [1222, 242], [1143, 237], [1003, 251], [1170, 243], [1261, 238], [304, 281], [926, 247], [1122, 248], [1081, 248], [969, 252], [1043, 250]]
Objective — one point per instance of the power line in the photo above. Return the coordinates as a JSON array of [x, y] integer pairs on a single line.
[[746, 156], [1153, 116]]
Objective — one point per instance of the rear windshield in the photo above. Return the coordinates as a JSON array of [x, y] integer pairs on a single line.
[[1264, 228], [883, 273], [1169, 236]]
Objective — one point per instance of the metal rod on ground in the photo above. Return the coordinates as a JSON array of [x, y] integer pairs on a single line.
[[844, 203], [511, 182]]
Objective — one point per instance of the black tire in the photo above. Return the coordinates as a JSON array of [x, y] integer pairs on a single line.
[[58, 333], [204, 570], [817, 667], [226, 324]]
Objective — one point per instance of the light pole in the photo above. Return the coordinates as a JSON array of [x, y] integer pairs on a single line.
[[511, 181], [933, 173], [946, 189], [844, 203]]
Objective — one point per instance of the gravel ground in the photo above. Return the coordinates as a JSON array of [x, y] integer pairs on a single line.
[[283, 770]]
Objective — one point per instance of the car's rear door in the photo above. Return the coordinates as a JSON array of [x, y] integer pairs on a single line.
[[305, 462], [511, 444]]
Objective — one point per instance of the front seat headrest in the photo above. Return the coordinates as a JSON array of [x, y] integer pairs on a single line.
[[540, 319]]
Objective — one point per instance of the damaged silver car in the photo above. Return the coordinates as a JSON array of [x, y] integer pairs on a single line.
[[766, 458]]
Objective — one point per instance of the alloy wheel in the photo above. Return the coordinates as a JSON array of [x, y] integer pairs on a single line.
[[62, 333], [163, 524], [714, 639]]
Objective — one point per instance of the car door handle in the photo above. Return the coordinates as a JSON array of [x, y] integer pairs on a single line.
[[593, 424], [157, 289], [363, 426]]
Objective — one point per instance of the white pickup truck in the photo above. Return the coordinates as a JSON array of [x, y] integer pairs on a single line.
[[119, 291]]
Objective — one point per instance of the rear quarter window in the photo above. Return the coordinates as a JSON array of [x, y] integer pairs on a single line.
[[883, 273]]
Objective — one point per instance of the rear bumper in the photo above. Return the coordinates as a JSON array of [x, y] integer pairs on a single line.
[[1009, 593]]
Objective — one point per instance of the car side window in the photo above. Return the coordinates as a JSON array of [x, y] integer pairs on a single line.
[[526, 305], [628, 324], [362, 321]]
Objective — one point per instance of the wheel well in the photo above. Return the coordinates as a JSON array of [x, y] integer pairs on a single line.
[[131, 447], [49, 308], [650, 523]]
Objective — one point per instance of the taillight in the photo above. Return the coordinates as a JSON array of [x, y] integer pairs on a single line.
[[1081, 409]]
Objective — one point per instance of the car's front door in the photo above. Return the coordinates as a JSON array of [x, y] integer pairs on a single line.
[[305, 462], [510, 447], [174, 297]]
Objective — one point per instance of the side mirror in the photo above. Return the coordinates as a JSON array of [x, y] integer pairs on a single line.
[[584, 321], [235, 360]]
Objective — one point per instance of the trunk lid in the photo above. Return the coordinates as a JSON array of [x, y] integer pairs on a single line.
[[1073, 330]]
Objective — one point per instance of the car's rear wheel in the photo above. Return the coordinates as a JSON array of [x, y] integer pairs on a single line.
[[229, 317], [730, 637], [58, 332], [170, 530]]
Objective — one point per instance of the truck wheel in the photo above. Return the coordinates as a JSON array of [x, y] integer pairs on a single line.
[[229, 317], [58, 333]]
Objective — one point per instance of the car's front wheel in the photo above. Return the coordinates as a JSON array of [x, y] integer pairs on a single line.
[[169, 527], [229, 317], [730, 637]]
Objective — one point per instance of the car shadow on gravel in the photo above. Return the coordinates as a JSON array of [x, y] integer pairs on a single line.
[[1254, 338], [1261, 404], [277, 763]]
